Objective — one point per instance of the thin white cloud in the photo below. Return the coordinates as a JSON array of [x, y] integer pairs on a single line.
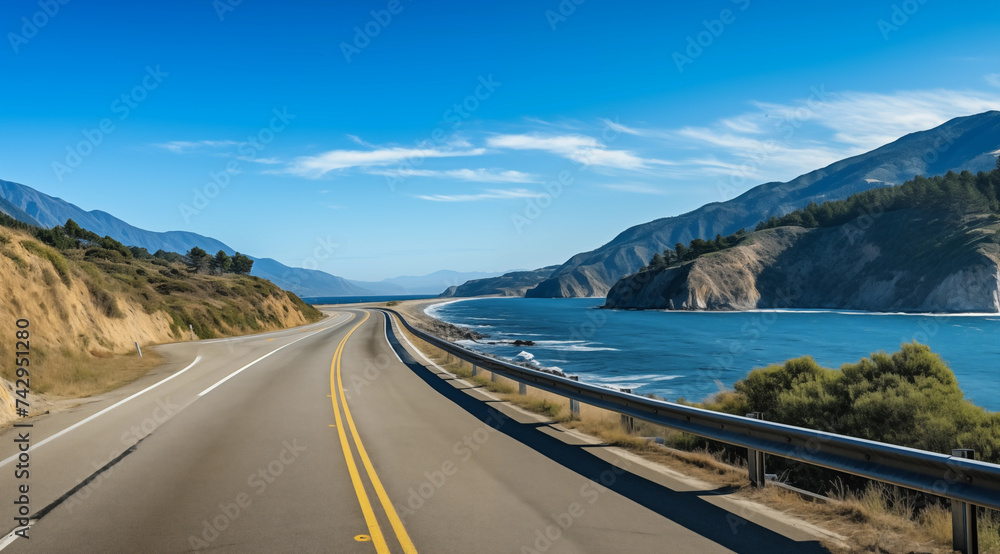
[[868, 120], [619, 128], [993, 79], [493, 194], [472, 175], [321, 164], [636, 188], [784, 140], [579, 148], [186, 146]]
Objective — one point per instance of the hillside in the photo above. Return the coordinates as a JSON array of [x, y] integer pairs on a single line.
[[514, 283], [33, 207], [931, 245], [88, 305], [965, 143]]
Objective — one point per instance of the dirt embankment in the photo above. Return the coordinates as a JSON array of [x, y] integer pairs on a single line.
[[85, 314]]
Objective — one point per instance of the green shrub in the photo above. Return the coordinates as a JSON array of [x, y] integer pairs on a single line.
[[909, 398], [58, 262]]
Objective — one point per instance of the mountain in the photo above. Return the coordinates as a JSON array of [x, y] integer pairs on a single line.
[[432, 283], [22, 202], [962, 143], [514, 283], [932, 245]]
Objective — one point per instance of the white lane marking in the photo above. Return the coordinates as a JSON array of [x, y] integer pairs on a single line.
[[12, 536], [240, 370], [100, 413], [385, 328]]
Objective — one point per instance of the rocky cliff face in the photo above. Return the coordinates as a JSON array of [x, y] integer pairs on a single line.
[[901, 261], [962, 143]]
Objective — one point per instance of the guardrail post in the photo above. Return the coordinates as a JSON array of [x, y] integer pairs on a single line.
[[522, 389], [191, 328], [628, 423], [755, 459], [493, 376], [137, 348], [475, 370], [964, 532], [574, 405]]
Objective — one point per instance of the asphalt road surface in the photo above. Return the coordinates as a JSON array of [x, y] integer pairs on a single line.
[[340, 437]]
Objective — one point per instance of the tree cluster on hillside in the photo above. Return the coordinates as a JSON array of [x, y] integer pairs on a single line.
[[958, 193], [72, 236], [696, 248], [198, 260]]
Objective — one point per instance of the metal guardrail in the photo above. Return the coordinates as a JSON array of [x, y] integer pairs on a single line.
[[958, 478]]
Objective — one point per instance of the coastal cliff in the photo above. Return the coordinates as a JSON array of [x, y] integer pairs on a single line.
[[906, 260]]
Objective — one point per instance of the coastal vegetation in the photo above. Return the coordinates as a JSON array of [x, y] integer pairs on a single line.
[[694, 250], [955, 194]]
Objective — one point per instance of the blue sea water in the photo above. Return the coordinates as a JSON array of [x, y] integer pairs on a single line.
[[695, 354]]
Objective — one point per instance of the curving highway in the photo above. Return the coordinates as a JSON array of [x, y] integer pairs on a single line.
[[340, 437]]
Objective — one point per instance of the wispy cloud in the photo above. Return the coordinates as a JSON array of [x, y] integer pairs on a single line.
[[636, 188], [579, 148], [784, 140], [993, 79], [472, 175], [321, 164], [186, 146], [492, 194]]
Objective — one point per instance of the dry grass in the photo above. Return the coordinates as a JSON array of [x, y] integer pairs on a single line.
[[70, 374], [881, 519]]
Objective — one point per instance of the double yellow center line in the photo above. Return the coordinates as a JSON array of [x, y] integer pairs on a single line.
[[337, 390]]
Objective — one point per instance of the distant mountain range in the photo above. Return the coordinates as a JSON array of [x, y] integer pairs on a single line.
[[31, 206], [964, 143], [433, 283]]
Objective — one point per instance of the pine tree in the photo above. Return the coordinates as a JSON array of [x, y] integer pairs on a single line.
[[196, 259], [220, 263], [241, 264]]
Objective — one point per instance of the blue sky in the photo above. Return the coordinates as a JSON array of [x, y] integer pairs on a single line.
[[461, 135]]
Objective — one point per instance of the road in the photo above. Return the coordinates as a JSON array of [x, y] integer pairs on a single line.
[[339, 437]]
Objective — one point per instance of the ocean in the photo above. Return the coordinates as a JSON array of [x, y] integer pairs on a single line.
[[692, 355]]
